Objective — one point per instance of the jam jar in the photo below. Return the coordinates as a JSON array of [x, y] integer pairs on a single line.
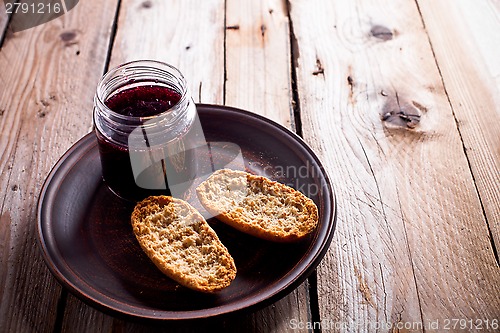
[[147, 130]]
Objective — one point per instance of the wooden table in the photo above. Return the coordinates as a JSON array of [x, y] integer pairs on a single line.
[[400, 100]]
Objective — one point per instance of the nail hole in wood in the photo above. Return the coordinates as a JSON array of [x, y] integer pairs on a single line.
[[319, 68], [350, 81]]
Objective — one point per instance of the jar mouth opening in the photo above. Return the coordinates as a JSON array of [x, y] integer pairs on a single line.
[[128, 75]]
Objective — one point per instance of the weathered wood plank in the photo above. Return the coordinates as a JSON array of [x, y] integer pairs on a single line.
[[473, 47], [258, 59], [45, 106], [411, 244], [258, 79], [78, 318]]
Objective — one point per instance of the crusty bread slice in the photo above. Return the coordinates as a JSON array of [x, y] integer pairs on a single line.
[[181, 244], [258, 206]]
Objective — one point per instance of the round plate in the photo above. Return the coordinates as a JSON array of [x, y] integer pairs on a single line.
[[88, 243]]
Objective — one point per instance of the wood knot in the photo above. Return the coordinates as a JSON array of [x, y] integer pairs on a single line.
[[381, 32], [402, 113], [68, 38], [147, 4]]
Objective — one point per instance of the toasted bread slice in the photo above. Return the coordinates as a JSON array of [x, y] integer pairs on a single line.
[[258, 206], [181, 244]]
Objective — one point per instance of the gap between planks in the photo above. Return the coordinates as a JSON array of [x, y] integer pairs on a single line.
[[112, 37], [297, 127], [4, 23], [294, 55]]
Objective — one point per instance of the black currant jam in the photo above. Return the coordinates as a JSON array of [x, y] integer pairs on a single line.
[[143, 101], [144, 127]]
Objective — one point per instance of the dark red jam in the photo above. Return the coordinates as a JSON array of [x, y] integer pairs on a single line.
[[143, 101]]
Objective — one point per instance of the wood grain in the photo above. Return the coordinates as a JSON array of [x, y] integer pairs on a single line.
[[398, 98], [45, 106], [412, 243], [258, 59], [191, 40], [473, 46]]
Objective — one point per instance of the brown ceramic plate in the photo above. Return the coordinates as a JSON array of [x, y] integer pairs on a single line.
[[88, 244]]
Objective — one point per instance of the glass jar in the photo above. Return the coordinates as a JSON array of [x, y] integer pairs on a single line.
[[147, 130]]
